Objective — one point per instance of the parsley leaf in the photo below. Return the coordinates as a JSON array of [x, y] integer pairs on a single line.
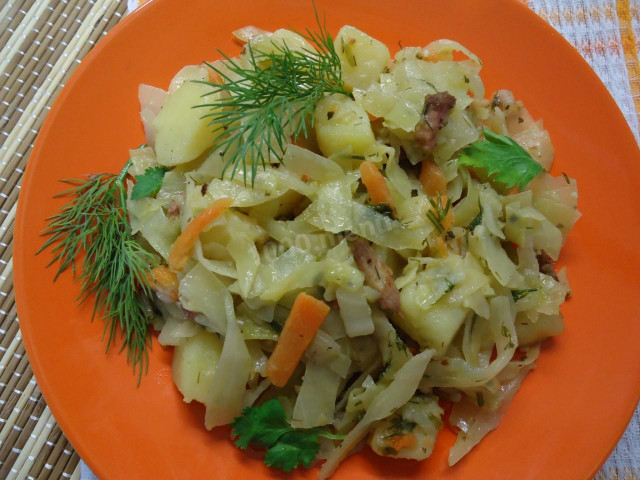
[[149, 183], [293, 448], [266, 425], [263, 425], [503, 157]]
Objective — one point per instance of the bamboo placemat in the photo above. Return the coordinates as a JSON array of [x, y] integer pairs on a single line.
[[41, 43]]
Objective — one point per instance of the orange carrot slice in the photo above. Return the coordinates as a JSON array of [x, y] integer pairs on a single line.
[[398, 442], [432, 179], [375, 183], [214, 77], [305, 318], [163, 280], [181, 250], [442, 246], [448, 220]]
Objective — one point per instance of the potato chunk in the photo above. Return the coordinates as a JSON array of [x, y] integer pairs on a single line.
[[341, 124], [362, 57], [194, 365], [181, 133]]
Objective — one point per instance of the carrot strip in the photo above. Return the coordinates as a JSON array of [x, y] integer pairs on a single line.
[[163, 280], [398, 442], [181, 250], [214, 77], [375, 183], [447, 224], [305, 318], [432, 179], [442, 246]]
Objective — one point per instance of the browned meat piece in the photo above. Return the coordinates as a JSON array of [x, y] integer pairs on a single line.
[[546, 265], [377, 274], [437, 108], [173, 210]]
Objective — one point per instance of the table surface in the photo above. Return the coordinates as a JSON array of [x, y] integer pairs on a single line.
[[41, 43]]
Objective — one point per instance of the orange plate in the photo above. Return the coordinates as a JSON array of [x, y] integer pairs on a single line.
[[571, 410]]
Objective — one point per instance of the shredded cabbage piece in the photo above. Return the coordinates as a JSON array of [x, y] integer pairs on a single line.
[[451, 301]]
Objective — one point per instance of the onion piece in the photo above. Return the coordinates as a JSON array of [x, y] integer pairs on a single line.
[[248, 33], [475, 422], [175, 330], [152, 99]]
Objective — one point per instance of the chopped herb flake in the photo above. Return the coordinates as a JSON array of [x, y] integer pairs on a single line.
[[383, 208], [476, 221], [520, 294], [399, 426]]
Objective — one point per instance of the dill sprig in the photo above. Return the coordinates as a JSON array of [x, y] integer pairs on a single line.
[[114, 268], [437, 214], [263, 105]]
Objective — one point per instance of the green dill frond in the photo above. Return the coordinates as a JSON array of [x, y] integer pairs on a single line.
[[260, 107], [438, 213], [115, 267]]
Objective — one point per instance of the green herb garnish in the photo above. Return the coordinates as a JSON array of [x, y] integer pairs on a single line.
[[383, 209], [437, 214], [399, 426], [400, 345], [476, 221], [507, 334], [149, 183], [114, 268], [519, 294], [450, 286], [502, 157], [272, 99], [266, 426]]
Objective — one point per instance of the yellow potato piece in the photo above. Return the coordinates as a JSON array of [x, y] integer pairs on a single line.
[[194, 365], [181, 133], [342, 126], [362, 57]]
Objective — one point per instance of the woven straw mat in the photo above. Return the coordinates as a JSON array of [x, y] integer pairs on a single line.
[[41, 43]]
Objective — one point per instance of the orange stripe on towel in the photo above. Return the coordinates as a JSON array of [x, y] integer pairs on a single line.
[[630, 50]]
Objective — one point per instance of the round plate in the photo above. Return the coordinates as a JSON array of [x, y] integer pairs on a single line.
[[570, 411]]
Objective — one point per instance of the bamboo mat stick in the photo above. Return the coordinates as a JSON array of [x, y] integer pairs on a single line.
[[52, 83], [35, 443], [21, 32], [40, 58], [38, 48], [10, 421], [11, 11], [6, 272]]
